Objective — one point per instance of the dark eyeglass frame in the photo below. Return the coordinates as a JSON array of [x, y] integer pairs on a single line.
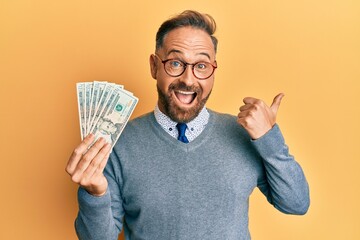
[[185, 66]]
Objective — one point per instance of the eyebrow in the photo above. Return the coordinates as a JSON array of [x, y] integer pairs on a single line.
[[178, 51]]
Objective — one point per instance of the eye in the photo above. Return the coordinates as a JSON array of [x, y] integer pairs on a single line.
[[201, 66], [175, 64]]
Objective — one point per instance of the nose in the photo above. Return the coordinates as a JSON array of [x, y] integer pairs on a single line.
[[188, 77]]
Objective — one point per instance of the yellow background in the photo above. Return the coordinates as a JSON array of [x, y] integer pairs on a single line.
[[310, 50]]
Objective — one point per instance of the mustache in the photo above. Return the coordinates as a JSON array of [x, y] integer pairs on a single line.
[[183, 87]]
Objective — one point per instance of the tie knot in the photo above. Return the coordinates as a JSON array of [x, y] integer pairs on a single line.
[[182, 128]]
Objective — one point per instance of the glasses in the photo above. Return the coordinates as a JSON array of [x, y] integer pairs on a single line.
[[175, 68]]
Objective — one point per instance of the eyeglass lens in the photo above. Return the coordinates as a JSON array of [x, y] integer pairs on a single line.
[[201, 70]]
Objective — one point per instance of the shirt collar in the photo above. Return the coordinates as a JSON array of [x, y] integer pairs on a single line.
[[195, 126]]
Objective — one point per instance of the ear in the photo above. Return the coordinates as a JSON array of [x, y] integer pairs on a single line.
[[153, 65]]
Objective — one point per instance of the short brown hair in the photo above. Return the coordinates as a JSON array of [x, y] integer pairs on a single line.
[[187, 18]]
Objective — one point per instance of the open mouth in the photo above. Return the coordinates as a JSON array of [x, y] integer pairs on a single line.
[[185, 97]]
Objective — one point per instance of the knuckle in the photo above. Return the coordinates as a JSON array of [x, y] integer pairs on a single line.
[[245, 125], [258, 103], [247, 122], [99, 143], [77, 152], [85, 159], [93, 163], [243, 122], [83, 182], [75, 179], [82, 166]]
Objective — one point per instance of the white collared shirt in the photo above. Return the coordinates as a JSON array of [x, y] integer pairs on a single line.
[[194, 127]]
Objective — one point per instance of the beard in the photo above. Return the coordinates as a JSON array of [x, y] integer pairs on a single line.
[[175, 112]]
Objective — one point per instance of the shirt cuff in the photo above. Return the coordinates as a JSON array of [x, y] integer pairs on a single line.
[[270, 143], [90, 202]]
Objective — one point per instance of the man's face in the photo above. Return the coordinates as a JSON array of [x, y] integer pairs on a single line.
[[108, 127], [182, 98]]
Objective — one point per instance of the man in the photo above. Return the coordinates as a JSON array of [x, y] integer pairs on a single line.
[[155, 186]]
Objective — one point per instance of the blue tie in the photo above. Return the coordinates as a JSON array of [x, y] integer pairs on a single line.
[[182, 128]]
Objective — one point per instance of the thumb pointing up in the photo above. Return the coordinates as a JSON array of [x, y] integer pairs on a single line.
[[276, 103]]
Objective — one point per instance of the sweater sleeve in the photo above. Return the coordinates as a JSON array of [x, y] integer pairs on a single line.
[[284, 184], [100, 217]]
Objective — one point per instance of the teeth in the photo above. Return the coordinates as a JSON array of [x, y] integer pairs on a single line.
[[184, 96], [186, 93]]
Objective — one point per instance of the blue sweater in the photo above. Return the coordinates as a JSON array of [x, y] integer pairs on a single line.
[[162, 189]]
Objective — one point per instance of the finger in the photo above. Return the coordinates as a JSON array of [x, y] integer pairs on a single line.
[[98, 174], [86, 159], [246, 107], [243, 121], [90, 155], [104, 161], [100, 169], [250, 100], [78, 152], [97, 161], [276, 102], [244, 114]]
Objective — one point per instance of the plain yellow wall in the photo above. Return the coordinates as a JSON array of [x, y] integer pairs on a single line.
[[310, 50]]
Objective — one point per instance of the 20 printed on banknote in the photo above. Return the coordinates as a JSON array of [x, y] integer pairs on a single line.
[[104, 109]]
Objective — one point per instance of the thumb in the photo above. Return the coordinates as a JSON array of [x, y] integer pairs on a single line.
[[276, 102]]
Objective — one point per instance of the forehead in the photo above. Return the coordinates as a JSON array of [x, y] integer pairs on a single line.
[[188, 39]]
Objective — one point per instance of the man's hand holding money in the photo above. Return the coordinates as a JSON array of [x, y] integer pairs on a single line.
[[104, 110], [86, 165]]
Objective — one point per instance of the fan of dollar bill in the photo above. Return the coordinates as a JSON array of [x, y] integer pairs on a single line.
[[104, 109]]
